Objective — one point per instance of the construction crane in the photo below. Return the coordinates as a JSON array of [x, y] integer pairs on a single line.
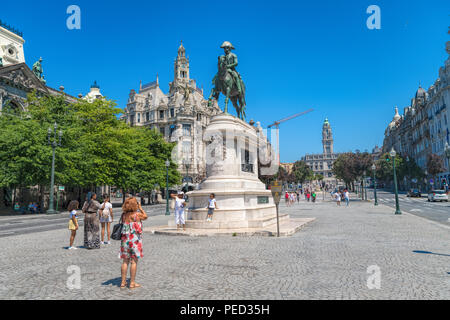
[[276, 124]]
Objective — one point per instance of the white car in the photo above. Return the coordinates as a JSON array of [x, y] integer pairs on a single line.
[[437, 195]]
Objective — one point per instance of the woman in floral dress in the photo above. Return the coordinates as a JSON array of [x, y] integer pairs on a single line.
[[131, 242]]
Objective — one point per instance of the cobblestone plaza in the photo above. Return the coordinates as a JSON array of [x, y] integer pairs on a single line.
[[327, 259]]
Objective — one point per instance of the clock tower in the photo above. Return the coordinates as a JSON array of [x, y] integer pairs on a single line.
[[327, 138], [181, 66]]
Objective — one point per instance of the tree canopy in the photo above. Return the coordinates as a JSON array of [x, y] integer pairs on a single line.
[[96, 147], [351, 166]]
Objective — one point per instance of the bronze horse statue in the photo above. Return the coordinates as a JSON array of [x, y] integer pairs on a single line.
[[225, 83]]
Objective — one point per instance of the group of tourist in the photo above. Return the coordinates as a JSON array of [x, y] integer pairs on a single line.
[[96, 214], [341, 195], [291, 197], [310, 195], [32, 207]]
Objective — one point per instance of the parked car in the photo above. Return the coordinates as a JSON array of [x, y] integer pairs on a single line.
[[437, 195], [414, 193]]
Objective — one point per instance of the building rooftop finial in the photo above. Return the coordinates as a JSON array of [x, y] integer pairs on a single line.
[[95, 85]]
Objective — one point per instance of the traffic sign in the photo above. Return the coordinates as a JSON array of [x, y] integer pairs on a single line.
[[275, 187], [414, 180], [61, 188]]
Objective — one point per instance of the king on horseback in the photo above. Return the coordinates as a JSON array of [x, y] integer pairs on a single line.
[[229, 81]]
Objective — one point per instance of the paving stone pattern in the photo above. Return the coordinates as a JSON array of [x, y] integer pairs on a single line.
[[327, 259]]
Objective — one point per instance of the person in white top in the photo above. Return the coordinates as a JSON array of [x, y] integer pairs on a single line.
[[346, 196], [212, 204], [337, 196], [179, 210], [106, 217]]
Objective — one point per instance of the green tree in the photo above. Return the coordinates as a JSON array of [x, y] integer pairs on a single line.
[[302, 172], [351, 166], [435, 165], [97, 148], [385, 168]]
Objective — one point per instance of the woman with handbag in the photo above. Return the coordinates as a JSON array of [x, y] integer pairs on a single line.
[[91, 222], [131, 241], [106, 217]]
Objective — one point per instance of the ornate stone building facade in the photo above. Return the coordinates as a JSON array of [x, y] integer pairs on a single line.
[[17, 80], [180, 116], [322, 163], [424, 126]]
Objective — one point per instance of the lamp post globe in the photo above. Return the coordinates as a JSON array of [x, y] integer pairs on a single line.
[[167, 163], [393, 153], [374, 168], [397, 205]]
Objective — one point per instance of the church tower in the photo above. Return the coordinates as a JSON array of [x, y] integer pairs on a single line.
[[327, 138], [181, 67]]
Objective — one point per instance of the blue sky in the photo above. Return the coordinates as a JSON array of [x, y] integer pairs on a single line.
[[293, 55]]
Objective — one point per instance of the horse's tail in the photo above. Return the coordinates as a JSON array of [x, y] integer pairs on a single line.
[[242, 98]]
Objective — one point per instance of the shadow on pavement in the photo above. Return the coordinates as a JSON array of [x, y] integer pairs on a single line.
[[115, 282], [428, 252]]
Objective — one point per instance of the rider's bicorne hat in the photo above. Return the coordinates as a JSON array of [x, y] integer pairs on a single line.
[[227, 44]]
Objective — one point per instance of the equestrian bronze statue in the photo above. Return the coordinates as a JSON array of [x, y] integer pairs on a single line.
[[229, 82]]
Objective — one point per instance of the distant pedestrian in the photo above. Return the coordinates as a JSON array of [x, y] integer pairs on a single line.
[[131, 241], [314, 197], [212, 204], [73, 222], [91, 222], [308, 195], [179, 210], [106, 218], [291, 198], [337, 197], [346, 197], [286, 198]]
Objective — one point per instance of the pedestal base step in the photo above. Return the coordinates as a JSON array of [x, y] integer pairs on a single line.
[[287, 228], [232, 224]]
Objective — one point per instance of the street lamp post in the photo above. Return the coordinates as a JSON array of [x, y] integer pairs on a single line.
[[365, 184], [167, 163], [409, 172], [54, 144], [374, 168], [397, 205]]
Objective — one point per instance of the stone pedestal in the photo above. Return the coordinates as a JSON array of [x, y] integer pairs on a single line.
[[244, 204]]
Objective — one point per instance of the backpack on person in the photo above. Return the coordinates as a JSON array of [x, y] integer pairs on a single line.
[[105, 212]]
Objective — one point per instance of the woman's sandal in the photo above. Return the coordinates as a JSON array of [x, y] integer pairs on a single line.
[[136, 285], [123, 285]]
